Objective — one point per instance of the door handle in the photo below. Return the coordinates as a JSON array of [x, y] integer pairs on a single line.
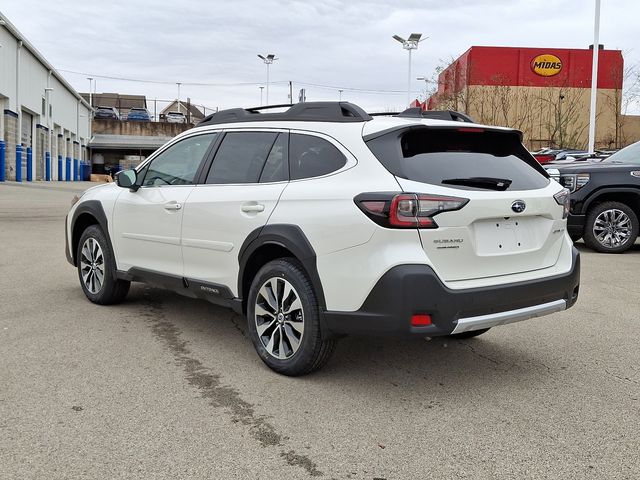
[[258, 207], [172, 206]]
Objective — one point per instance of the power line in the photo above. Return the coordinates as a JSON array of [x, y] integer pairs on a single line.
[[242, 84], [167, 82]]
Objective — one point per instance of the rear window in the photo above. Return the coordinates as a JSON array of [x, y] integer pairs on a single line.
[[463, 158]]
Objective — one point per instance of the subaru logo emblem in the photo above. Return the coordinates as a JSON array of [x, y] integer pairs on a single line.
[[518, 206]]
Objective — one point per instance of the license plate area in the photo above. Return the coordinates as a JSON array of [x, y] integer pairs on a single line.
[[504, 236]]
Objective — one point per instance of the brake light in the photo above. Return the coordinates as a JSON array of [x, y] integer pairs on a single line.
[[562, 198], [471, 130], [407, 210]]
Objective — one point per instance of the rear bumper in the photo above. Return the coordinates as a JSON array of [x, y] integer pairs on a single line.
[[406, 290]]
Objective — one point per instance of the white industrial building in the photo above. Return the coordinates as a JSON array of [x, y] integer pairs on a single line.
[[40, 111]]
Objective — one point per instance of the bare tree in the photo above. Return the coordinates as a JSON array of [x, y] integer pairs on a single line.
[[620, 101]]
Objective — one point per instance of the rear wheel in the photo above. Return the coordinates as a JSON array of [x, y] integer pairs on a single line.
[[611, 227], [96, 269], [470, 334], [284, 319]]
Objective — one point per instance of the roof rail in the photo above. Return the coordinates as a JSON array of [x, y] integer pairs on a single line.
[[343, 112], [417, 112]]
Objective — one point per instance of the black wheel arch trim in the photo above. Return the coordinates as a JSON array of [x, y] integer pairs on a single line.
[[95, 209], [287, 236], [593, 197]]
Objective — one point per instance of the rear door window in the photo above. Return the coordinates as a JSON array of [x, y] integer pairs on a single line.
[[463, 158], [241, 157]]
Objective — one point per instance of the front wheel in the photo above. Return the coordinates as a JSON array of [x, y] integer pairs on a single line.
[[611, 227], [96, 269], [284, 319]]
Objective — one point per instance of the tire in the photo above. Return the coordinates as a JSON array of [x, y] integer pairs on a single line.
[[470, 334], [290, 341], [611, 227], [97, 267]]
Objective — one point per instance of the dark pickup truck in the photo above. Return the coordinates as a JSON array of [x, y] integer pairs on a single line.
[[605, 199]]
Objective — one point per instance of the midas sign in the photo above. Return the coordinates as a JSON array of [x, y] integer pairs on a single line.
[[546, 65]]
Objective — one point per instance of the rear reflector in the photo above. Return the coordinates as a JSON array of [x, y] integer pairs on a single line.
[[420, 320]]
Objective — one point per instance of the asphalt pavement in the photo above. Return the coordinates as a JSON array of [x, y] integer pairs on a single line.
[[168, 387]]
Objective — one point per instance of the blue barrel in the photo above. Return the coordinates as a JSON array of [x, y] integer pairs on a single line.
[[87, 171], [60, 167], [47, 166], [29, 164], [2, 160], [67, 169], [18, 163], [75, 170]]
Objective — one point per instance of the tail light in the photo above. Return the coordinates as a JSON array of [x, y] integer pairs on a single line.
[[407, 210], [562, 198]]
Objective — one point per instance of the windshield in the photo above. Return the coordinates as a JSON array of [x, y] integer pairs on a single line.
[[630, 154]]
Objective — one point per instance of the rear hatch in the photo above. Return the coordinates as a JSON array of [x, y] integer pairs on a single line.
[[511, 222]]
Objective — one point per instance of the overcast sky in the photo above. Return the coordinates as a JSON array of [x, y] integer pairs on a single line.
[[337, 44]]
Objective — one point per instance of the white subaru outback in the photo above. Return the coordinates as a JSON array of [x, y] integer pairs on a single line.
[[322, 221]]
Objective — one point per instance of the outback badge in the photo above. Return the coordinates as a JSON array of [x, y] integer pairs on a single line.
[[518, 206]]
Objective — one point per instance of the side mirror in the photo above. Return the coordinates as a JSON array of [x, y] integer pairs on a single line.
[[127, 179]]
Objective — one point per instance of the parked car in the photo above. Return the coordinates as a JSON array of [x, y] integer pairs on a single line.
[[139, 115], [107, 113], [175, 117], [605, 199], [322, 221], [545, 155]]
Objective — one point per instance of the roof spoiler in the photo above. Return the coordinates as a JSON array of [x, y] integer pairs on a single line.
[[417, 112]]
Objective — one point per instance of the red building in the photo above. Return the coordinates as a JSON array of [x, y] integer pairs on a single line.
[[542, 91]]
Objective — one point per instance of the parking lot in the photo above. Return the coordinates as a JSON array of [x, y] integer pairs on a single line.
[[163, 386]]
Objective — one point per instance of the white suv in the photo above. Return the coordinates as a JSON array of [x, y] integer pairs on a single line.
[[322, 221]]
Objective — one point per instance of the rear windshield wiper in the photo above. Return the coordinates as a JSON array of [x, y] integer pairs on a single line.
[[490, 183]]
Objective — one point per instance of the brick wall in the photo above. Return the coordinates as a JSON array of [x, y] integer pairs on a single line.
[[41, 148], [159, 129], [10, 136]]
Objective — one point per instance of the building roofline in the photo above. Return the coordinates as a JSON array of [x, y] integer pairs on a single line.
[[34, 51]]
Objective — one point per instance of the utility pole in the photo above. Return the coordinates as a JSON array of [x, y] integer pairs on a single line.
[[179, 106], [290, 92]]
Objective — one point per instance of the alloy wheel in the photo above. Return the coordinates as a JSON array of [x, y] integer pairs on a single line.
[[279, 318], [92, 265], [612, 228]]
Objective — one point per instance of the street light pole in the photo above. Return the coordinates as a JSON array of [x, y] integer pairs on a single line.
[[594, 79], [340, 94], [261, 90], [268, 60], [409, 44]]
